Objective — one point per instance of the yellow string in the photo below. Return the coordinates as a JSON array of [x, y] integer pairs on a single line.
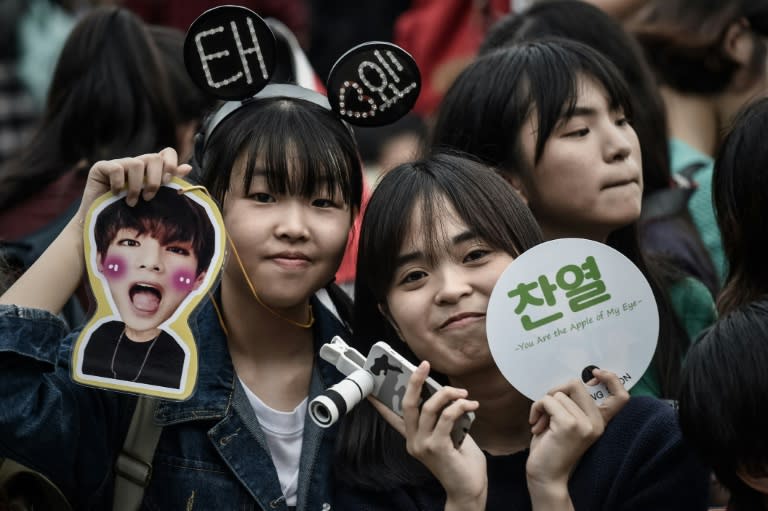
[[218, 313], [310, 321], [192, 188]]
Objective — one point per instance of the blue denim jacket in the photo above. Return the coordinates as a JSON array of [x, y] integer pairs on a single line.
[[212, 453]]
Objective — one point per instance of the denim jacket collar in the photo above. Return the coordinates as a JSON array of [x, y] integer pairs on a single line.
[[213, 397], [238, 437]]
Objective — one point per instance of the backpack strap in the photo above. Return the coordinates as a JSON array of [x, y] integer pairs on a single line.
[[669, 202], [133, 468], [691, 170]]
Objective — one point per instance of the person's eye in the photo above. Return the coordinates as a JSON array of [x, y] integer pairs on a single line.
[[324, 203], [622, 121], [579, 133], [178, 250], [413, 276], [262, 197], [128, 242], [476, 255]]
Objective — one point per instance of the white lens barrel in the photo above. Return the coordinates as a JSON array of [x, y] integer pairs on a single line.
[[337, 400]]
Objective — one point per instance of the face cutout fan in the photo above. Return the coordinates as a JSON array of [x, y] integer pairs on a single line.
[[149, 268], [230, 52]]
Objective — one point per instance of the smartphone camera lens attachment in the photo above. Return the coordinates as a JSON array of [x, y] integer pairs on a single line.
[[337, 400]]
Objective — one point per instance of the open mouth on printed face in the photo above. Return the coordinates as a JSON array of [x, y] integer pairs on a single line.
[[145, 298]]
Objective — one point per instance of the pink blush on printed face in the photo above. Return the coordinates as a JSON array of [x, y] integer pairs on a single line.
[[114, 267], [183, 281]]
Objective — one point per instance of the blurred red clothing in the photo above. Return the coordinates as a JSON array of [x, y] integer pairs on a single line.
[[181, 13], [44, 207], [346, 272], [443, 37]]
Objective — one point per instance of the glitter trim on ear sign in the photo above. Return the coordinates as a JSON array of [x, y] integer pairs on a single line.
[[566, 305]]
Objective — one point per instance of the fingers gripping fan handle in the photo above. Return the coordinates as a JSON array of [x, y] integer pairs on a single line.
[[230, 52], [373, 84]]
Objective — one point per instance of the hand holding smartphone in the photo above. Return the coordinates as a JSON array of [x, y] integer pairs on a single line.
[[384, 374], [391, 373]]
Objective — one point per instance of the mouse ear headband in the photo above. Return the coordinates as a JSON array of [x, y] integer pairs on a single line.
[[230, 53]]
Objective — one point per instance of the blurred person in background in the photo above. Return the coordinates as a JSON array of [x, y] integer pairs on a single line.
[[710, 60]]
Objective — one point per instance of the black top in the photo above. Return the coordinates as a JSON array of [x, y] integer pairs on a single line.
[[159, 362], [639, 464]]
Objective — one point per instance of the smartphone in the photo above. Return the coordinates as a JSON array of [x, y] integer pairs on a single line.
[[391, 372]]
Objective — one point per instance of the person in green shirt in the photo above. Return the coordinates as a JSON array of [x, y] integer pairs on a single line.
[[710, 60], [560, 135]]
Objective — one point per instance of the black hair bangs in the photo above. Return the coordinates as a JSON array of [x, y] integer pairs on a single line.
[[490, 102], [412, 200], [555, 73], [386, 225], [299, 157], [299, 147], [484, 108]]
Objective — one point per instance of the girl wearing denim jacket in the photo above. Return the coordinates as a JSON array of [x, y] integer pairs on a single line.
[[286, 174]]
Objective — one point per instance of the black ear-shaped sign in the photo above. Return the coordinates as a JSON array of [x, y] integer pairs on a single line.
[[374, 84], [229, 52]]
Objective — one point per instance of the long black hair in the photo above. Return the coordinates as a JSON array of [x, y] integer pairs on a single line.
[[370, 453], [108, 99], [740, 197], [488, 104], [585, 23]]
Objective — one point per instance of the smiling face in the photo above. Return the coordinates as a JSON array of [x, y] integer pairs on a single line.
[[588, 181], [148, 279], [290, 245], [438, 304]]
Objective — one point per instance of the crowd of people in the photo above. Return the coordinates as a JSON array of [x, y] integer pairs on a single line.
[[638, 125]]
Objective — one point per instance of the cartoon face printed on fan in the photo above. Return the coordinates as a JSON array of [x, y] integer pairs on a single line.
[[152, 256]]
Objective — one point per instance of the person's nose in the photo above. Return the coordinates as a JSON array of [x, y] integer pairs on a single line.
[[151, 256], [292, 222], [618, 145], [453, 285]]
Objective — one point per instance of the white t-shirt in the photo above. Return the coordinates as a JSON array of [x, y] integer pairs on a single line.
[[284, 432]]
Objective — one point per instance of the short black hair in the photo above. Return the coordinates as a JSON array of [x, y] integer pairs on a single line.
[[724, 398], [280, 134]]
